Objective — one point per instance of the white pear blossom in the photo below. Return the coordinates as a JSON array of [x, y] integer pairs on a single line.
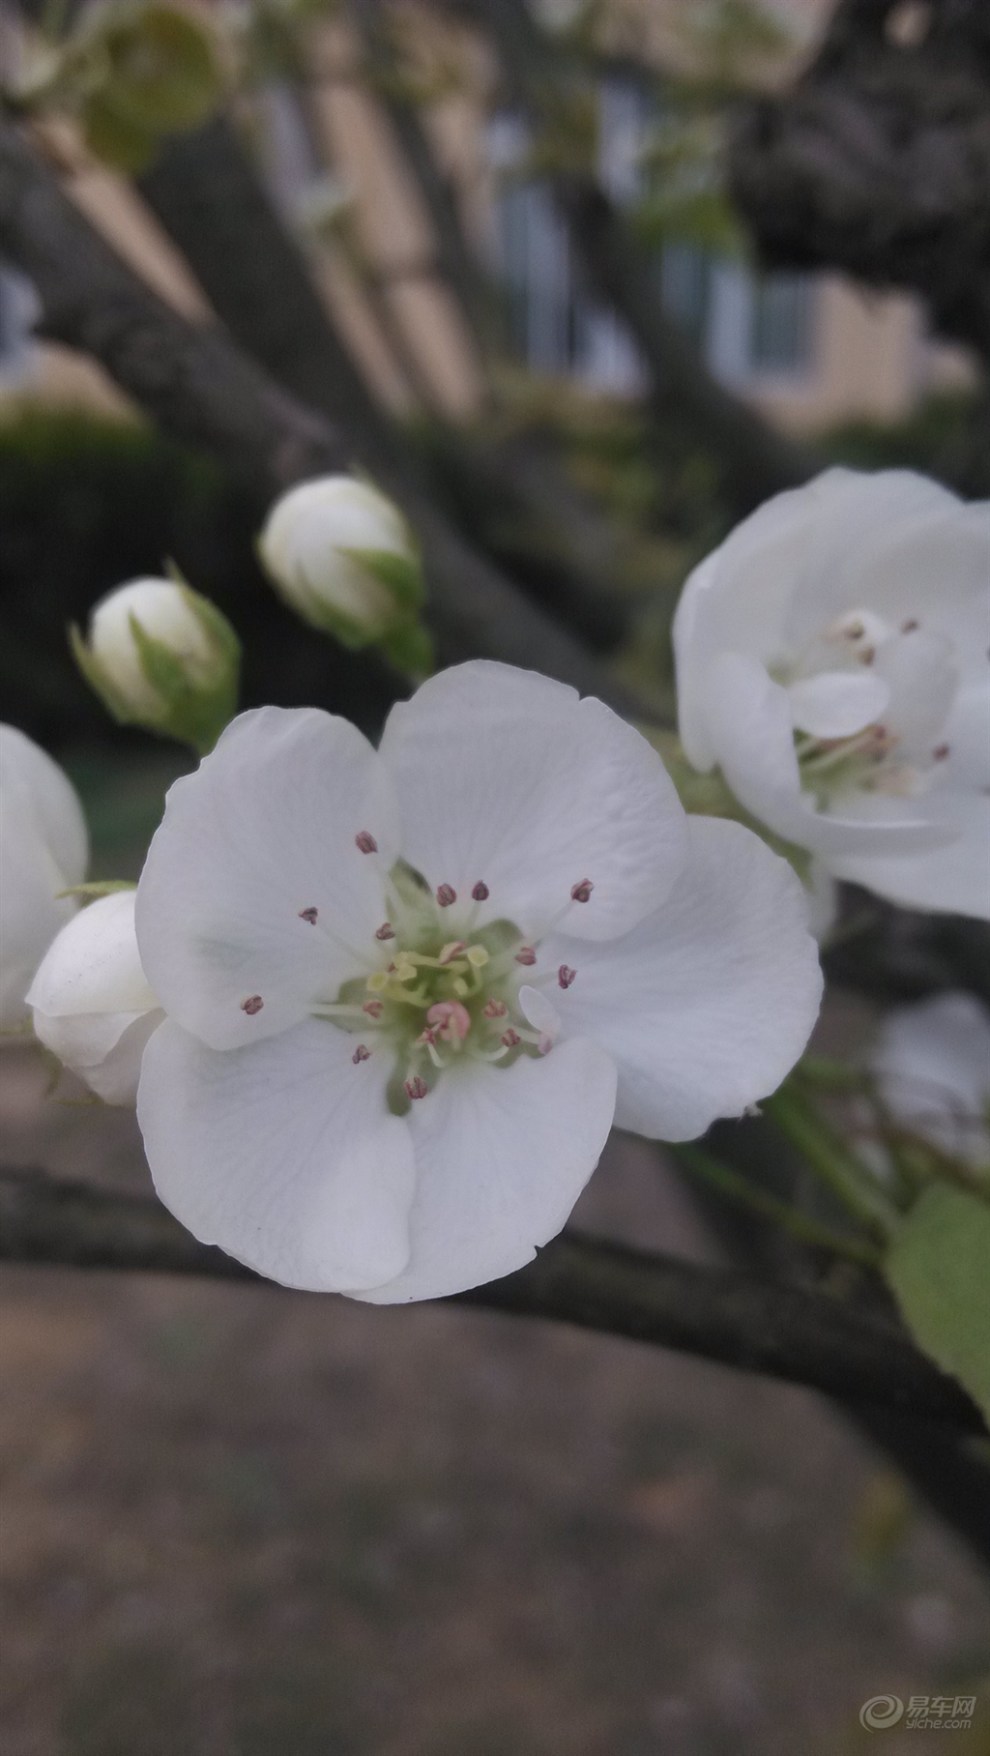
[[932, 1066], [408, 991], [833, 659], [91, 1002], [43, 851], [160, 655], [327, 545]]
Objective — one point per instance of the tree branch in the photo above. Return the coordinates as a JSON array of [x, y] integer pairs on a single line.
[[718, 1314], [756, 460], [194, 381], [204, 191], [877, 161]]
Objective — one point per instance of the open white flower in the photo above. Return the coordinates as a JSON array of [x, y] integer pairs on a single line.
[[407, 991], [932, 1064], [832, 660], [91, 1001], [43, 851]]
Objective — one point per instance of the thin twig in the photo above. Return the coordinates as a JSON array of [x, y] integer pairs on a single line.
[[783, 1331]]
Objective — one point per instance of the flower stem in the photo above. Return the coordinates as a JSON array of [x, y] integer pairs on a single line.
[[747, 1194], [839, 1168]]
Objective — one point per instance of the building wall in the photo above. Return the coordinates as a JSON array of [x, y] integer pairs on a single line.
[[866, 353]]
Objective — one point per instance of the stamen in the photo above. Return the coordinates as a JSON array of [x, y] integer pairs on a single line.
[[449, 952], [252, 1004], [308, 914], [361, 1053], [480, 893], [446, 894], [374, 1008], [416, 1088], [565, 976], [452, 1020], [385, 931], [526, 956], [582, 892], [365, 842], [494, 1009], [511, 1038]]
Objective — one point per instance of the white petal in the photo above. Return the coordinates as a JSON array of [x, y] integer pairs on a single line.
[[951, 879], [708, 1004], [32, 784], [93, 965], [967, 734], [750, 721], [264, 830], [502, 1154], [923, 556], [507, 778], [539, 1010], [836, 704], [30, 915], [283, 1153], [103, 1048], [932, 1062], [737, 600], [91, 1000], [43, 850], [923, 677], [843, 541]]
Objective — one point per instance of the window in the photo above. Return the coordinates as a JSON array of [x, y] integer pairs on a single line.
[[781, 323], [748, 327], [18, 308]]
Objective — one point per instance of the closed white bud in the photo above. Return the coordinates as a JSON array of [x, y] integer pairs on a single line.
[[342, 556], [161, 656], [91, 1000]]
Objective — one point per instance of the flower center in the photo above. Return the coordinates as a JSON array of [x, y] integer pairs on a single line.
[[876, 756], [445, 990]]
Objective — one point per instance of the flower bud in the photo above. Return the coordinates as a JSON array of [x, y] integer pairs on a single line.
[[342, 556], [91, 1001], [161, 656], [43, 852]]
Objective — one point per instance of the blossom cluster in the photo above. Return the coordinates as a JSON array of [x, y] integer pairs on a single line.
[[380, 1008]]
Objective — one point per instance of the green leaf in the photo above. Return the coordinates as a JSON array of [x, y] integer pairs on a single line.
[[939, 1269]]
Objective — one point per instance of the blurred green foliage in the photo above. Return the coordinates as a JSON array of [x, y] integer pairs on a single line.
[[947, 436], [87, 503]]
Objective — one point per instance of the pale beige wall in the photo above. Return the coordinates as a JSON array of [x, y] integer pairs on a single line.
[[870, 357]]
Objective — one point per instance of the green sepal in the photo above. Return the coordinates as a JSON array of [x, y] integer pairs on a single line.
[[192, 713], [95, 676], [97, 887], [401, 575], [938, 1267], [708, 795], [411, 650]]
